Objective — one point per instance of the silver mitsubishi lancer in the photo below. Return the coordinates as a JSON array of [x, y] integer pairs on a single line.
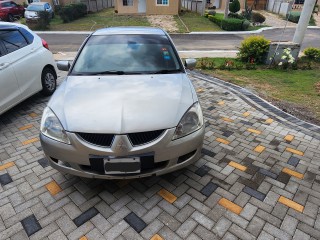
[[127, 108]]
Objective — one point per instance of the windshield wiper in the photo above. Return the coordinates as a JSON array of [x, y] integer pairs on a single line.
[[166, 71], [108, 72]]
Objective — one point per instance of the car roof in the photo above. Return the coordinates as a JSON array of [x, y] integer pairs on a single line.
[[7, 27], [38, 3], [11, 26], [129, 30]]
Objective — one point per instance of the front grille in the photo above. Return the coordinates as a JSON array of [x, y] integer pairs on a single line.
[[104, 140], [144, 137]]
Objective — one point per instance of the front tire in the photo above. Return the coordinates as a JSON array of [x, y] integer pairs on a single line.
[[49, 81]]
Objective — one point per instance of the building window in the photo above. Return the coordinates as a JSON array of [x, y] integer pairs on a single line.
[[127, 2], [162, 2]]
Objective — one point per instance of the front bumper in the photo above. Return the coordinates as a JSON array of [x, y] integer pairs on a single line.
[[161, 156]]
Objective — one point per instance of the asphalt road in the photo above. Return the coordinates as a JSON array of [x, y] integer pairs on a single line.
[[71, 42]]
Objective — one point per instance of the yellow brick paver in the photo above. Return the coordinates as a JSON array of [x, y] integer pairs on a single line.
[[167, 195], [289, 138], [246, 114], [294, 151], [227, 119], [6, 165], [200, 90], [293, 173], [156, 237], [230, 206], [33, 115], [259, 149], [291, 204], [223, 141], [25, 127], [53, 188], [238, 166], [221, 103], [269, 121], [32, 140], [254, 131]]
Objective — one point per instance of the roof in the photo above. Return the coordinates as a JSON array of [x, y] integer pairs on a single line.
[[38, 3], [8, 26], [129, 30], [12, 26]]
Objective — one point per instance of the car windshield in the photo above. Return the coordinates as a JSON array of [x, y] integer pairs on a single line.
[[127, 54], [35, 8]]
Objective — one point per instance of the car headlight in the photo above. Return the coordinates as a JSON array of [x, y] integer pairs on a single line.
[[52, 128], [191, 121]]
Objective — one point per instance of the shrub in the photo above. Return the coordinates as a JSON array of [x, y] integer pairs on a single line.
[[312, 53], [205, 63], [245, 24], [217, 19], [235, 15], [295, 16], [257, 17], [254, 49], [234, 6], [234, 24], [72, 12]]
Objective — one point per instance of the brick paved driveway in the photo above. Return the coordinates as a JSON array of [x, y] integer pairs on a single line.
[[258, 178]]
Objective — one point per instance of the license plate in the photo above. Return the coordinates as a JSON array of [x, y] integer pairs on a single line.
[[122, 165]]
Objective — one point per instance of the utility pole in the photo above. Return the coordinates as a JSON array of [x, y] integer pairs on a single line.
[[204, 3], [226, 9], [306, 13]]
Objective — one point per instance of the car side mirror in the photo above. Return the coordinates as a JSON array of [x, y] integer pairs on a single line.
[[190, 63], [63, 65]]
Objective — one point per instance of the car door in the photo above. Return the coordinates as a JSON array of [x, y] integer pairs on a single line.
[[14, 9], [26, 65], [9, 88]]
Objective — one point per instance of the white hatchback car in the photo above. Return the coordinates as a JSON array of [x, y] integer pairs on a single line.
[[26, 65]]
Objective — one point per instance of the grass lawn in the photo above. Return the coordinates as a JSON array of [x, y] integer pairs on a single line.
[[93, 21], [195, 23], [301, 87], [187, 22]]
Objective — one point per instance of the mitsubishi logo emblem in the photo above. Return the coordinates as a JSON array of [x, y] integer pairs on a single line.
[[121, 146]]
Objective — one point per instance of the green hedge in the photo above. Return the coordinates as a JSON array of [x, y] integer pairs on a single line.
[[217, 19], [295, 16], [312, 53], [72, 12], [234, 24]]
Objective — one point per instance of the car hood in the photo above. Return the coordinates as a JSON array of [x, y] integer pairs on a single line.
[[122, 104], [31, 13]]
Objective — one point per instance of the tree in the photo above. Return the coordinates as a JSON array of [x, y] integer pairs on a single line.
[[234, 6]]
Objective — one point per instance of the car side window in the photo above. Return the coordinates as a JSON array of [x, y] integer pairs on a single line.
[[27, 35], [6, 4], [1, 50], [13, 4], [13, 40]]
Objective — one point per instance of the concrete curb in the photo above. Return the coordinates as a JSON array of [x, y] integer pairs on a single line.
[[248, 32], [191, 33]]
